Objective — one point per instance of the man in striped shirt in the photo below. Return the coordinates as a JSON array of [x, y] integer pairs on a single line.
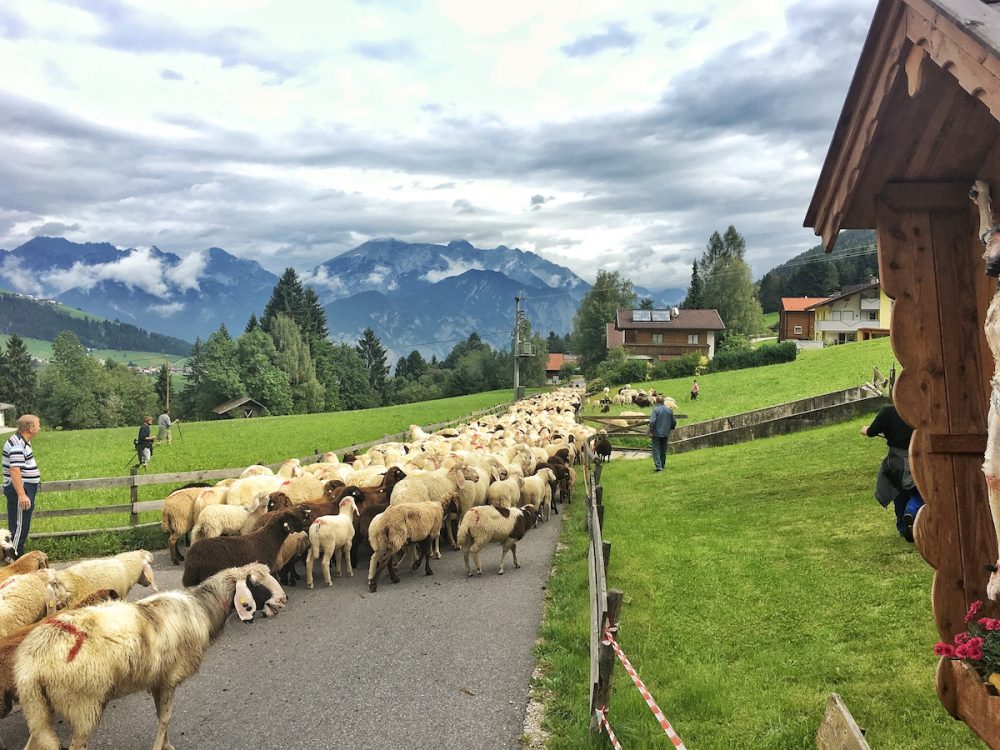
[[20, 479]]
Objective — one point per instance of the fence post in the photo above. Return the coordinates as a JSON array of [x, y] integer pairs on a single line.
[[606, 546], [606, 660], [134, 495], [598, 497]]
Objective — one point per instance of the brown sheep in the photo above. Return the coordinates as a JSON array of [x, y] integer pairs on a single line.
[[26, 563]]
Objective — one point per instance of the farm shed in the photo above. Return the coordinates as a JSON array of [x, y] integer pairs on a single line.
[[919, 125], [243, 407]]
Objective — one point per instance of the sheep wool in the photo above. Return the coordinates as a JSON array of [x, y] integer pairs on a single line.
[[119, 573], [330, 537], [488, 524], [29, 597]]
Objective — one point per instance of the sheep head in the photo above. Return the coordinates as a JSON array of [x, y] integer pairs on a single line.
[[7, 550], [331, 487], [278, 500], [56, 594], [348, 503], [146, 576]]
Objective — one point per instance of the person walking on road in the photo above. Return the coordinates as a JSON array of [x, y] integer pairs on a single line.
[[21, 479], [661, 422]]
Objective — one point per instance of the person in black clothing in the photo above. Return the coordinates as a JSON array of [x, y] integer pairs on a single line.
[[895, 483], [144, 443]]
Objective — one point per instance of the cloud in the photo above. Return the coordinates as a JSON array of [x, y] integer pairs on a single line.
[[185, 275], [319, 278], [464, 206], [168, 309], [53, 229], [171, 75], [614, 37], [138, 269], [537, 201], [454, 268], [392, 50]]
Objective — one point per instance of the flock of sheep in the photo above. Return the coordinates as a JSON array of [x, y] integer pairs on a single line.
[[69, 642]]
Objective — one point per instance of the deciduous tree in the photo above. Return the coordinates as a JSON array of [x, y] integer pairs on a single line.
[[609, 293]]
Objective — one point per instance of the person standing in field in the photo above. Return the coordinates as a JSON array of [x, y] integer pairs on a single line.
[[661, 422], [144, 443], [895, 483], [21, 479], [695, 390], [163, 431]]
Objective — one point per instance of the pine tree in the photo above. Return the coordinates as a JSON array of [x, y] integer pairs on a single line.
[[18, 381], [373, 355], [287, 298], [253, 324], [734, 245], [695, 299], [164, 387], [646, 303], [730, 290]]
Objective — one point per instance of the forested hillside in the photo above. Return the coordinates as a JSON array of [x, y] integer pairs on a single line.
[[41, 320], [815, 274]]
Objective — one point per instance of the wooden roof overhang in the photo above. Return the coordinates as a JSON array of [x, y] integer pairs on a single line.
[[923, 106]]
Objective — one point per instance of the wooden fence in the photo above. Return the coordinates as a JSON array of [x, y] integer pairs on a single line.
[[133, 481]]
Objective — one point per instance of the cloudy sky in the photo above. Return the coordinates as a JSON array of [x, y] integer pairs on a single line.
[[614, 134]]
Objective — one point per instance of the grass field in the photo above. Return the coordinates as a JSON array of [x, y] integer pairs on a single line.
[[222, 444], [813, 372], [43, 350], [758, 578]]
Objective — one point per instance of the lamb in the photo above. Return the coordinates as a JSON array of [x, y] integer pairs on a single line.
[[209, 556], [537, 491], [487, 524], [26, 563], [398, 526], [119, 573], [178, 516], [328, 536], [217, 520], [29, 597], [75, 663]]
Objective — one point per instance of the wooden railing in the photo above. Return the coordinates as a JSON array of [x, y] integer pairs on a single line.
[[134, 481]]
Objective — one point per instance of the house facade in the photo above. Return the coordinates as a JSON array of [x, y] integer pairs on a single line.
[[665, 334], [796, 319], [554, 365], [856, 313]]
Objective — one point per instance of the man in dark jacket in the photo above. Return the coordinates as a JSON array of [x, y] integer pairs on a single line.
[[895, 483], [661, 422], [144, 443]]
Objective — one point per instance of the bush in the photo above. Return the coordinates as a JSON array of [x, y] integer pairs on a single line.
[[678, 368], [738, 359], [596, 385], [624, 371]]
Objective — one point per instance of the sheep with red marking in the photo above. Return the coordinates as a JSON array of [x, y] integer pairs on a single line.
[[74, 664], [29, 597]]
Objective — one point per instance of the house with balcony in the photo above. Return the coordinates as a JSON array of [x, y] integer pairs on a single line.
[[855, 313], [660, 335], [797, 319]]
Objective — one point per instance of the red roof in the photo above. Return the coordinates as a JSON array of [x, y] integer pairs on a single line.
[[799, 304], [555, 362]]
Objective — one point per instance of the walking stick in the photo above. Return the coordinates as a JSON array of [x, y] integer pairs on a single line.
[[179, 433]]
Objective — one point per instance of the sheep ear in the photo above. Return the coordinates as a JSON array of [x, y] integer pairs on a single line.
[[147, 573], [460, 479]]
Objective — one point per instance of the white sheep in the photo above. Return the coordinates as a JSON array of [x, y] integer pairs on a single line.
[[29, 597], [118, 573], [256, 470], [217, 520], [7, 549], [506, 493], [487, 524], [328, 536], [243, 491], [302, 489], [390, 531], [537, 491], [74, 664]]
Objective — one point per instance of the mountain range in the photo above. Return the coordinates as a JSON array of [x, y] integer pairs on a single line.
[[414, 295]]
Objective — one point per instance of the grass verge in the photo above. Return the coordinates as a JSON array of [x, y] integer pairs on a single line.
[[758, 579]]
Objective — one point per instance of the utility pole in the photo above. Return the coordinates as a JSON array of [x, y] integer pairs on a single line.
[[517, 347]]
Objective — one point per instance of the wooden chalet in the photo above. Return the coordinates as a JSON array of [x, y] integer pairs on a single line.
[[796, 319], [921, 122], [242, 407], [665, 334]]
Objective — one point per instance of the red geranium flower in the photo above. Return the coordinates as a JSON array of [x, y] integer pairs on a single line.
[[973, 609], [944, 649]]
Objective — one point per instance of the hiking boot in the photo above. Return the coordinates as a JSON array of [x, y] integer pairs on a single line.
[[908, 520]]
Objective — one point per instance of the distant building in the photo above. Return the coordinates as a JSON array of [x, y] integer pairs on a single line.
[[797, 319], [660, 335], [242, 407], [554, 365], [855, 313]]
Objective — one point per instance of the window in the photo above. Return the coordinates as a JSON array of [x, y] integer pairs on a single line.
[[872, 316], [797, 330], [692, 338], [656, 338]]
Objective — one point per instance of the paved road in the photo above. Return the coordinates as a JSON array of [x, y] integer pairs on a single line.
[[433, 662]]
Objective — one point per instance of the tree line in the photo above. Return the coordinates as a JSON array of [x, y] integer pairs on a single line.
[[283, 359]]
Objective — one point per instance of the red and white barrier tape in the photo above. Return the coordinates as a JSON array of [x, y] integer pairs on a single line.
[[609, 640], [602, 714]]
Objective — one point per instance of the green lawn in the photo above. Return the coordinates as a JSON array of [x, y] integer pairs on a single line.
[[813, 372], [43, 350], [758, 578]]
